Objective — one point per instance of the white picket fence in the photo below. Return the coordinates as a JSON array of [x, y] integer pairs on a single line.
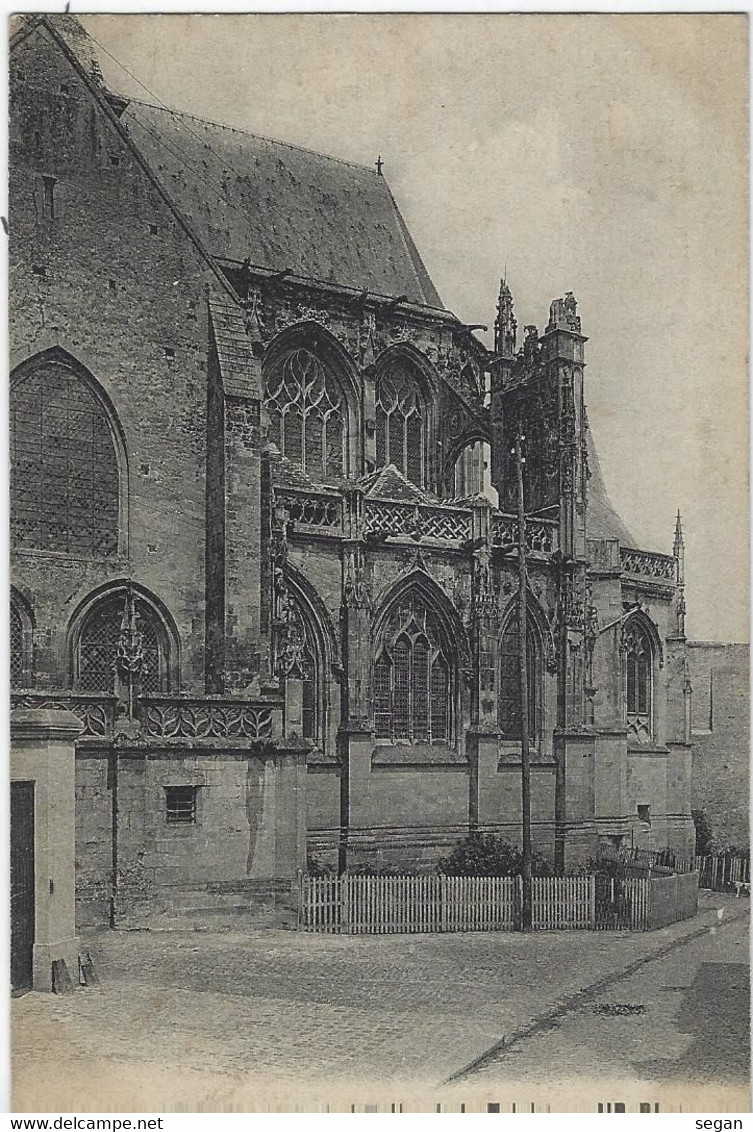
[[380, 905]]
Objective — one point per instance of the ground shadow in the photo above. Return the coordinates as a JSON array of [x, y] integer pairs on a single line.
[[716, 1011]]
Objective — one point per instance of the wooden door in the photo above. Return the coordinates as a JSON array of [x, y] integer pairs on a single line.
[[21, 884]]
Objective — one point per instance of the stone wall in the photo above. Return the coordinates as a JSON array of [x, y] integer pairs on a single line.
[[720, 675], [114, 280]]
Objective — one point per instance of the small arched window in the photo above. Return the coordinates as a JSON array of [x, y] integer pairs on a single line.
[[413, 687], [509, 698], [310, 679], [64, 467], [299, 656], [308, 415], [638, 680], [105, 633], [400, 413], [21, 668]]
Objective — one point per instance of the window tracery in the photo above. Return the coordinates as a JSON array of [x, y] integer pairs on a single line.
[[308, 415], [17, 648], [509, 701], [400, 420], [638, 680], [64, 468], [412, 678], [99, 641]]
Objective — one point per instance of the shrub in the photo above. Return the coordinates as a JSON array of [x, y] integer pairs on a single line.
[[487, 855], [317, 868], [704, 834]]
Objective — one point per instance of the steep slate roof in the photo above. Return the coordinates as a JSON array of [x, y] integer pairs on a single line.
[[281, 207], [603, 521]]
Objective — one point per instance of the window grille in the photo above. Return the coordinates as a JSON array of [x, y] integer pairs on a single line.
[[180, 805], [412, 680], [399, 421], [638, 690], [98, 649], [308, 415], [17, 650], [64, 470], [510, 707]]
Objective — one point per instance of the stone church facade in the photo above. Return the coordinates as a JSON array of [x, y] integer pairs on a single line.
[[252, 548]]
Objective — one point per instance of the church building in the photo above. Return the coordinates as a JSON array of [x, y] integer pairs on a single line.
[[264, 525]]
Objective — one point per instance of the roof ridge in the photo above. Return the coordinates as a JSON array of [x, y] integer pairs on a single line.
[[259, 137]]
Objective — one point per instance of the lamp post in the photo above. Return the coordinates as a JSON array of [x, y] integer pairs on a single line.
[[525, 756]]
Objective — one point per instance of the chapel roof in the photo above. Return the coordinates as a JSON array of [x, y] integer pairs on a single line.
[[250, 198], [281, 207], [603, 520]]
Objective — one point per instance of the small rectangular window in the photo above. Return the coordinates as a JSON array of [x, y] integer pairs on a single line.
[[644, 813], [180, 805]]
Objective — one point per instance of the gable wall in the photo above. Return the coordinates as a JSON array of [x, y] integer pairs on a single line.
[[116, 282]]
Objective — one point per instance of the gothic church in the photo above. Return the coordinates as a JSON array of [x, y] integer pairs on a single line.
[[264, 524]]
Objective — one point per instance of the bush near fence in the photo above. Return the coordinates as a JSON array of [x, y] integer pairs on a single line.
[[399, 904]]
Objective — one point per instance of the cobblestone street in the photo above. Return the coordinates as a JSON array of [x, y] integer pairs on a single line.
[[216, 1020]]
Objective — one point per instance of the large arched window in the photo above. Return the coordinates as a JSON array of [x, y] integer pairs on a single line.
[[104, 634], [400, 416], [638, 679], [413, 686], [308, 414], [509, 698], [64, 467]]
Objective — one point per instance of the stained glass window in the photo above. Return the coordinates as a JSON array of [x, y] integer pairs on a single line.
[[510, 708], [64, 470], [308, 415], [399, 421], [638, 661], [98, 649], [17, 650], [412, 683]]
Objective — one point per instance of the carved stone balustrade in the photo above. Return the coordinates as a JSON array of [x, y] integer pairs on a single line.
[[644, 564], [96, 712], [209, 718], [312, 511], [416, 521], [542, 535]]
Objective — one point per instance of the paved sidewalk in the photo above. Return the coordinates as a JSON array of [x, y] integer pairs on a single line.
[[213, 1019]]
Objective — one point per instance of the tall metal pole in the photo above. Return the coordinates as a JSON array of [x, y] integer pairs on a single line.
[[525, 755]]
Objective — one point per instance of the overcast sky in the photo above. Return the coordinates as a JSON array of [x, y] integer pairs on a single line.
[[602, 154]]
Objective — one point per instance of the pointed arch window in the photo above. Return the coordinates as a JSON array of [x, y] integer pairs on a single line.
[[400, 414], [308, 667], [21, 649], [101, 637], [64, 466], [299, 655], [638, 680], [308, 415], [413, 685], [510, 706]]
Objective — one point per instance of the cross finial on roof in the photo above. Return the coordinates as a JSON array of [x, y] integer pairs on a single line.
[[379, 163]]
